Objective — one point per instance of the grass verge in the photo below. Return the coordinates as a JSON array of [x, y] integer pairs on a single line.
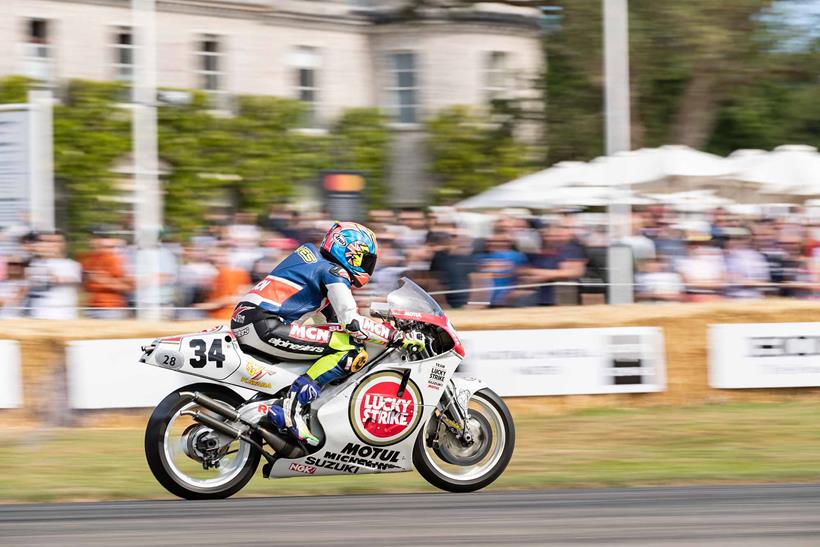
[[760, 442]]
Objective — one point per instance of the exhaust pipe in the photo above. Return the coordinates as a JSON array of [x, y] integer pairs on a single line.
[[283, 447], [223, 409], [213, 423]]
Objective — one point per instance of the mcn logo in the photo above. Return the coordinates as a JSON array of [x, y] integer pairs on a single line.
[[378, 415]]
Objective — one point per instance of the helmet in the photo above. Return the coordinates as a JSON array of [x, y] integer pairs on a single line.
[[353, 247]]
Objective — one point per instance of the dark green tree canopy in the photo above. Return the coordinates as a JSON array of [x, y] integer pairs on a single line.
[[712, 75]]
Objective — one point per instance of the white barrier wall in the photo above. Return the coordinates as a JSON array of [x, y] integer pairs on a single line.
[[759, 355], [108, 374], [11, 384], [567, 361]]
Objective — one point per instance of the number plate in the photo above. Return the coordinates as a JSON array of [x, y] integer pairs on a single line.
[[168, 357], [213, 354]]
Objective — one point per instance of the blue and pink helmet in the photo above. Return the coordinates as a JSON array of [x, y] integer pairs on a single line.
[[354, 248]]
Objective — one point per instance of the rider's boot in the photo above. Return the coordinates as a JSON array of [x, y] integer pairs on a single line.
[[289, 415]]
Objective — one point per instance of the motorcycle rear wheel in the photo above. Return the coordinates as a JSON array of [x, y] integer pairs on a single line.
[[182, 479], [493, 428]]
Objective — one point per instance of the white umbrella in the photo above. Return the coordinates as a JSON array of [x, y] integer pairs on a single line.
[[684, 169], [645, 169], [741, 158], [652, 166], [788, 169], [528, 191], [682, 161], [622, 169]]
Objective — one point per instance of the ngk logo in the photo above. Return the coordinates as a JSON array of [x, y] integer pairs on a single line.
[[302, 468], [379, 415]]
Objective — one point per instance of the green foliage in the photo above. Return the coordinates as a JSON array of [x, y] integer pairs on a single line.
[[14, 89], [195, 147], [260, 156], [783, 108], [713, 75], [472, 151], [213, 163], [362, 143], [247, 161], [89, 136]]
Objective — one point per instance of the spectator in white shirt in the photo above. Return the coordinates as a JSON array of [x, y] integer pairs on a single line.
[[747, 269], [703, 269], [657, 283], [53, 279]]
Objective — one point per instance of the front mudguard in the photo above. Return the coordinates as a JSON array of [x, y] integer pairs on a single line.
[[465, 386]]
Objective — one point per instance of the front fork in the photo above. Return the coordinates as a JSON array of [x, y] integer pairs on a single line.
[[454, 415]]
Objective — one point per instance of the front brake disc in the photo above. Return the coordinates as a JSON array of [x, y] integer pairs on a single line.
[[453, 450]]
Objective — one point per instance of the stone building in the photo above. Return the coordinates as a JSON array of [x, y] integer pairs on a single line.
[[409, 58]]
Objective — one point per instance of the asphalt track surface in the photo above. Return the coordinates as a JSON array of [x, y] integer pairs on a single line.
[[743, 515]]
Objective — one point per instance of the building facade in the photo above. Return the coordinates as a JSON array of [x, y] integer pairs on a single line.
[[331, 54]]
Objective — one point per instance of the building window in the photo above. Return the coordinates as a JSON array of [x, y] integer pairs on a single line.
[[37, 50], [496, 75], [305, 62], [403, 90], [210, 63], [123, 53]]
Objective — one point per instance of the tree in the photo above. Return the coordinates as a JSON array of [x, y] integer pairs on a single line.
[[260, 156], [712, 75], [14, 89], [471, 152], [89, 136], [361, 143]]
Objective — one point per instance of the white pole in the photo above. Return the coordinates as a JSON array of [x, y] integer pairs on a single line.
[[148, 200], [41, 148], [616, 104]]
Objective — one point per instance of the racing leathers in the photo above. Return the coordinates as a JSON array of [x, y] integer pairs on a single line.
[[269, 322]]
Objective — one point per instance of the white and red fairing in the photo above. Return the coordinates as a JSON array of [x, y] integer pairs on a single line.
[[440, 321]]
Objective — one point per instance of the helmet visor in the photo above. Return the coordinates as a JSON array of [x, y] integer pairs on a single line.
[[369, 263]]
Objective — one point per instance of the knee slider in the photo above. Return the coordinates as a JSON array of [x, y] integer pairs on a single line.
[[356, 359]]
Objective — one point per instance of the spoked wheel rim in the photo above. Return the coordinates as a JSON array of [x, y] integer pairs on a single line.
[[488, 429], [189, 472]]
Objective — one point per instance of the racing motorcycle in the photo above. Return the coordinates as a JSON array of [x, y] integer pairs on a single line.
[[400, 410]]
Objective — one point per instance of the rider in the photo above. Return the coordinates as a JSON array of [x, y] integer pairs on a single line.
[[269, 319]]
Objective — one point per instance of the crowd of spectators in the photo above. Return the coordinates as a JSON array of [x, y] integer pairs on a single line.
[[509, 258]]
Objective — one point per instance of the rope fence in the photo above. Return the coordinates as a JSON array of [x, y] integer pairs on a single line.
[[766, 286]]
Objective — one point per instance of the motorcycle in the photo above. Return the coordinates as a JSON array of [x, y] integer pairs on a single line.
[[400, 410]]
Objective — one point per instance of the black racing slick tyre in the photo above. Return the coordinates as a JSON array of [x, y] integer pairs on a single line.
[[494, 444], [161, 450]]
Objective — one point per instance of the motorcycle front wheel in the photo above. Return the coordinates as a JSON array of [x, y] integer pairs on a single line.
[[176, 446], [448, 463]]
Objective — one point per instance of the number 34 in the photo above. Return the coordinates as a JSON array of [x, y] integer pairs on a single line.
[[201, 358]]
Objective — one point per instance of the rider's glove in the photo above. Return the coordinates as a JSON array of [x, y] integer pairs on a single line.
[[408, 341]]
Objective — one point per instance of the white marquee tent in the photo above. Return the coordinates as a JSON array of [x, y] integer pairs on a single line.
[[792, 170], [789, 169]]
